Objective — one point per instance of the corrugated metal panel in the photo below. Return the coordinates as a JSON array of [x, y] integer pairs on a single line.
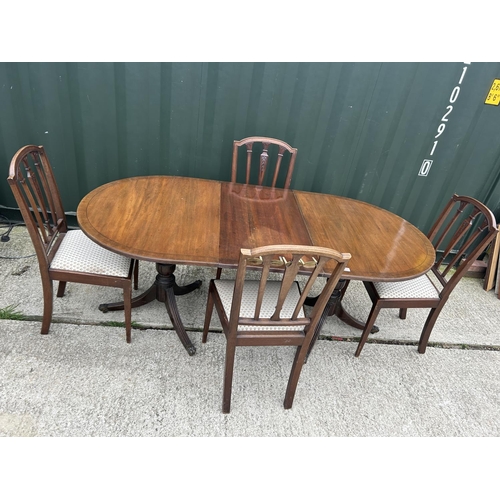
[[362, 129]]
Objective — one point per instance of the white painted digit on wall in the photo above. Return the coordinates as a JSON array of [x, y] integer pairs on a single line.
[[424, 169], [450, 109], [454, 94], [440, 130]]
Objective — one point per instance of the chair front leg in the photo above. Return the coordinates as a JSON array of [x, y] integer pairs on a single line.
[[228, 377], [369, 324], [402, 313], [298, 363]]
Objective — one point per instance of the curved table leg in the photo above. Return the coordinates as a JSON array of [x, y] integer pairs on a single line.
[[182, 290], [331, 304], [344, 316], [164, 289], [173, 313], [144, 298]]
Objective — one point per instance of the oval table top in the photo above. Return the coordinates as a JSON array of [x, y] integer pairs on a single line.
[[181, 220]]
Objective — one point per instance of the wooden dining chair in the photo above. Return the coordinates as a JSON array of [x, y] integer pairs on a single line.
[[62, 255], [270, 313], [254, 147], [465, 228]]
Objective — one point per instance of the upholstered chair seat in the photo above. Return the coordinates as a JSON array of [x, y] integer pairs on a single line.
[[417, 288], [79, 253]]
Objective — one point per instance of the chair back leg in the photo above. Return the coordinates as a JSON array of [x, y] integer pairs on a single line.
[[61, 289], [127, 309], [429, 325], [368, 327], [136, 275], [48, 305], [208, 313]]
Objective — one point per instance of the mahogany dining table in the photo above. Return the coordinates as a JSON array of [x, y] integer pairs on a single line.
[[173, 220]]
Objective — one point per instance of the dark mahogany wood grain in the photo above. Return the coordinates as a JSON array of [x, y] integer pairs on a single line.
[[383, 246], [157, 218], [256, 216], [183, 220]]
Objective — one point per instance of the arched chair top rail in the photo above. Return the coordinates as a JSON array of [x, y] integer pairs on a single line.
[[20, 155], [278, 142]]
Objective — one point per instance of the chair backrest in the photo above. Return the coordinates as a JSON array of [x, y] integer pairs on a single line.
[[290, 260], [264, 159], [33, 184], [464, 228]]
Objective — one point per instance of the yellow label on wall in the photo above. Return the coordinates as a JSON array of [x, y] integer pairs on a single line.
[[494, 93]]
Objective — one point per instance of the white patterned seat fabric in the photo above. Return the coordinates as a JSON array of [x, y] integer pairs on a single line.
[[417, 288], [79, 253], [225, 289]]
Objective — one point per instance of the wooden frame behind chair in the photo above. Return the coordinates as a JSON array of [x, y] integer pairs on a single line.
[[35, 189]]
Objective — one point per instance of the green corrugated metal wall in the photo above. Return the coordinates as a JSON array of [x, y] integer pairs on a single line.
[[362, 130]]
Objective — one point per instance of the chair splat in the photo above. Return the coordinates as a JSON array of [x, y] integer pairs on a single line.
[[264, 160]]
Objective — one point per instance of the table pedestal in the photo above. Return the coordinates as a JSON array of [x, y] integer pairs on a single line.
[[163, 289], [334, 308]]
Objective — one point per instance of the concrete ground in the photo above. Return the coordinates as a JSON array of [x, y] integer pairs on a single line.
[[83, 379]]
